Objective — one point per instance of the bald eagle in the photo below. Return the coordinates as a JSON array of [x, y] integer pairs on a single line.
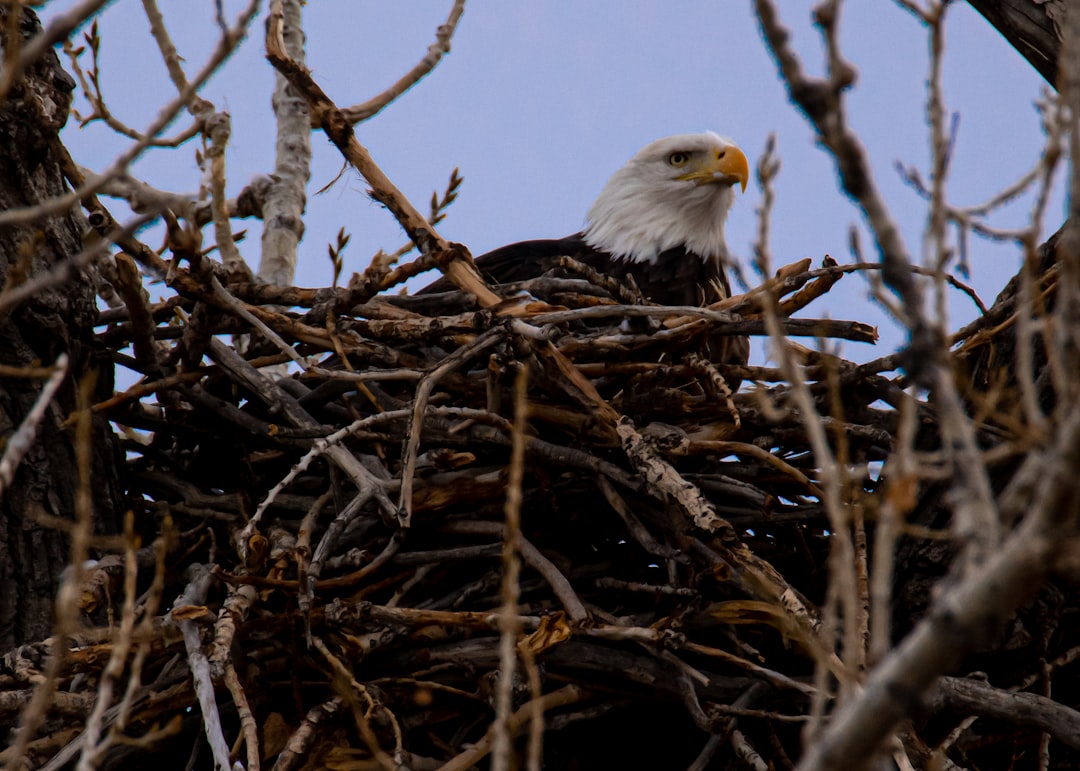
[[660, 218]]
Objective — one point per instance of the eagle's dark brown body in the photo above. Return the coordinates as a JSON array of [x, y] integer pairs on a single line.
[[676, 277]]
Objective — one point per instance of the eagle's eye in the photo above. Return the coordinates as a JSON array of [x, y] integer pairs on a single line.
[[678, 158]]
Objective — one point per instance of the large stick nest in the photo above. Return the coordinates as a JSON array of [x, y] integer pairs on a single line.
[[336, 537]]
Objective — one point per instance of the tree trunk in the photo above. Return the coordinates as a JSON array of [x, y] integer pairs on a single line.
[[1032, 27], [53, 321]]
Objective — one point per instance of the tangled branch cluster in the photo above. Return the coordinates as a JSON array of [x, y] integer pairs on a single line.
[[337, 540]]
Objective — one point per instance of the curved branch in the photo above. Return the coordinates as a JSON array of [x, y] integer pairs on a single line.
[[372, 107]]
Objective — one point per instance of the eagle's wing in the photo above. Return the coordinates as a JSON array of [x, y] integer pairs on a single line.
[[520, 261]]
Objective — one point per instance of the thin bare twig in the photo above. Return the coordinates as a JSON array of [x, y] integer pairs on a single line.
[[20, 442], [435, 53], [509, 628], [60, 27]]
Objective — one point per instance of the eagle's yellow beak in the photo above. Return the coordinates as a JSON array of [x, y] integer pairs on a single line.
[[726, 165], [731, 162]]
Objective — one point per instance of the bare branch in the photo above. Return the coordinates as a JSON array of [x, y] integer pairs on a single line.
[[283, 224], [435, 53], [20, 442]]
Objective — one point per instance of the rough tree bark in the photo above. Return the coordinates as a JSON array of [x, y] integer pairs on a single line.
[[54, 321], [1032, 27]]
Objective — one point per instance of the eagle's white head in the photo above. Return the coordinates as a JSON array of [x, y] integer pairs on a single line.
[[675, 192]]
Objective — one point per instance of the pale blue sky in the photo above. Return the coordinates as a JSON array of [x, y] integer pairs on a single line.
[[539, 102]]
